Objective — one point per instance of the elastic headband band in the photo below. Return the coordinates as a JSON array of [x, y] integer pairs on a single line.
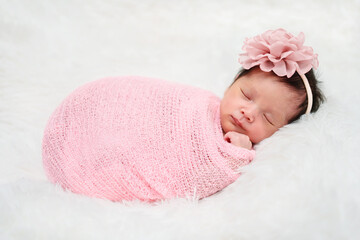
[[308, 93]]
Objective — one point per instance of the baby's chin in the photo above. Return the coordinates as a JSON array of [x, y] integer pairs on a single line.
[[226, 127]]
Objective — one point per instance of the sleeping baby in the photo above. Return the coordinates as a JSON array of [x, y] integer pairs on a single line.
[[128, 138]]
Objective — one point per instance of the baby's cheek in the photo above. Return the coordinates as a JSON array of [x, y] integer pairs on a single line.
[[259, 133], [226, 126]]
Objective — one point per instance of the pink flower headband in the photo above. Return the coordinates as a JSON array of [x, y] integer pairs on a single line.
[[282, 53]]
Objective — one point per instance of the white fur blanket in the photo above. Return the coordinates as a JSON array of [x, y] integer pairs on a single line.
[[304, 181]]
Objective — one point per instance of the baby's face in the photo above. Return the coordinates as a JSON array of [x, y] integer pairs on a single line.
[[257, 105]]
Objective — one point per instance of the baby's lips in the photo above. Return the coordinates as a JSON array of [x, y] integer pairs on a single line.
[[238, 119], [238, 115]]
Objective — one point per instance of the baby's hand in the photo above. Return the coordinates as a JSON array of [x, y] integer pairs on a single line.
[[238, 139]]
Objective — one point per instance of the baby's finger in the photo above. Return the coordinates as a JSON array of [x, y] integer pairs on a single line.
[[227, 137]]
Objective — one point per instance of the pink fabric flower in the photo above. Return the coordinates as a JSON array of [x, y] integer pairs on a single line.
[[280, 52]]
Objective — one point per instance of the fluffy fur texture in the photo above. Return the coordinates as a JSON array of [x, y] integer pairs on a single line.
[[304, 181], [126, 138]]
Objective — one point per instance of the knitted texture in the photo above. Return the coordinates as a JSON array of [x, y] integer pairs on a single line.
[[126, 138]]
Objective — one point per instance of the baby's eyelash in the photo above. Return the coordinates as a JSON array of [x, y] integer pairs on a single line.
[[244, 94], [267, 119]]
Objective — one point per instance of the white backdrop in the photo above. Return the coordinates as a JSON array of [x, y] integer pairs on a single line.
[[304, 182]]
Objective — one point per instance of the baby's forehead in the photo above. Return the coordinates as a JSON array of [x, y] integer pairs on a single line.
[[260, 79]]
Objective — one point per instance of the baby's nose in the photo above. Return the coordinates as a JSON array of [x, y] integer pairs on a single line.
[[250, 112], [247, 115]]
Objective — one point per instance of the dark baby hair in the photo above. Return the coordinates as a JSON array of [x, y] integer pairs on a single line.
[[296, 83]]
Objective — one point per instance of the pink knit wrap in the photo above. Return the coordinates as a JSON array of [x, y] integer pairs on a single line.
[[126, 138]]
